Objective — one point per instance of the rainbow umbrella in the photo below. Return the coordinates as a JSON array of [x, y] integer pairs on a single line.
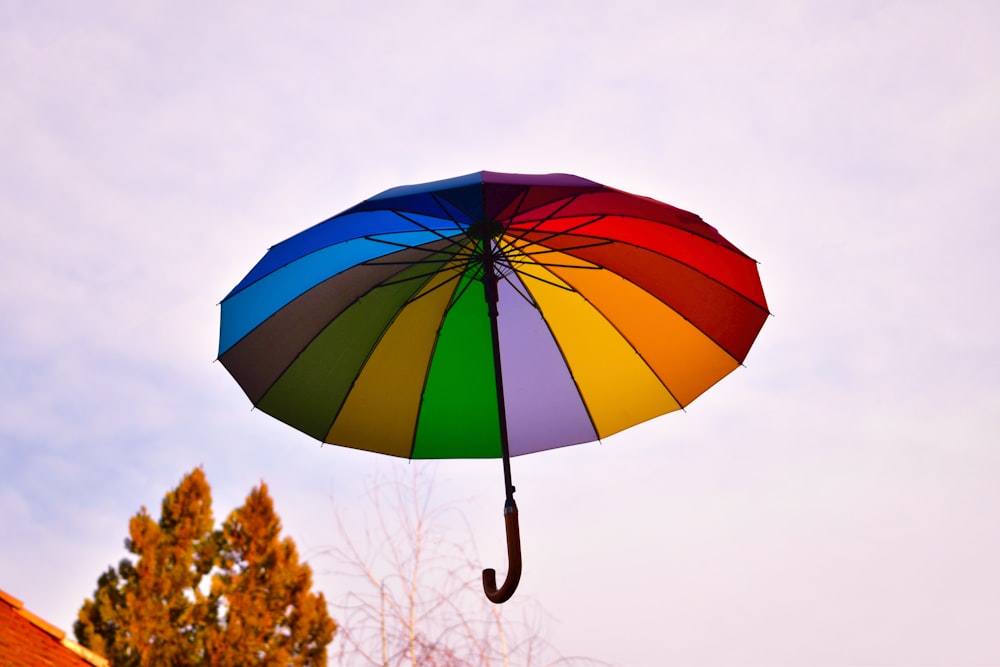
[[490, 315]]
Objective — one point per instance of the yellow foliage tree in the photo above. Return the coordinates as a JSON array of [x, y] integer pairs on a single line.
[[196, 595]]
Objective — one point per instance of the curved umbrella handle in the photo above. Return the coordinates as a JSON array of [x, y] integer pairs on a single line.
[[502, 594]]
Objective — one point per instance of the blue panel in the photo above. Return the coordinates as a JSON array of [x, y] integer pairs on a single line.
[[433, 186], [340, 228], [244, 311], [458, 199]]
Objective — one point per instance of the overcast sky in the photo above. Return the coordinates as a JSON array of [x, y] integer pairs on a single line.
[[835, 502]]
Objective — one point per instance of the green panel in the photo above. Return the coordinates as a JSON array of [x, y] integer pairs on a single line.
[[310, 393], [380, 412], [459, 416]]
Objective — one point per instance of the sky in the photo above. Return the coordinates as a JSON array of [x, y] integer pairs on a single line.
[[833, 502]]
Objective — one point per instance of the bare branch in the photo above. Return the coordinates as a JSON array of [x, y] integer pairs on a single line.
[[416, 597]]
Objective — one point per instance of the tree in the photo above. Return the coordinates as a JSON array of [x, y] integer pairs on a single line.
[[194, 595], [417, 597]]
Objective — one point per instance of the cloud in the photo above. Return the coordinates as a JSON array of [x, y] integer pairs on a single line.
[[831, 502]]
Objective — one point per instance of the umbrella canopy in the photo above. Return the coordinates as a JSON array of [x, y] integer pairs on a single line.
[[490, 315], [371, 329]]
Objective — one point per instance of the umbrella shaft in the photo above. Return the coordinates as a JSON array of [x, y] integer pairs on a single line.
[[490, 280]]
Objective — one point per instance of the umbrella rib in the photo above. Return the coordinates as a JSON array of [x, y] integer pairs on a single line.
[[452, 254], [399, 281], [625, 338], [424, 227], [716, 281], [717, 239], [319, 332], [517, 209], [562, 354], [439, 201], [550, 282], [532, 254], [523, 294], [529, 255], [459, 294], [553, 214], [408, 246], [442, 267], [515, 262], [582, 246], [521, 232], [457, 250], [368, 355], [672, 258], [504, 244], [521, 237], [564, 232], [417, 296], [458, 274], [569, 287], [372, 262]]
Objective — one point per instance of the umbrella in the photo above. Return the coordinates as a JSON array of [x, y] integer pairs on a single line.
[[490, 315]]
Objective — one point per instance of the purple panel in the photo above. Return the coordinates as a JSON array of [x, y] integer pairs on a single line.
[[544, 409]]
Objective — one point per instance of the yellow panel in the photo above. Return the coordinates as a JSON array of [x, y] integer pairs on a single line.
[[618, 387], [684, 359], [380, 413]]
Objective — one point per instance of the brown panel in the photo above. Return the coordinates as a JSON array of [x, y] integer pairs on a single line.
[[258, 359]]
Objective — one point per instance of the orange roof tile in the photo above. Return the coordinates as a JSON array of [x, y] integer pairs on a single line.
[[26, 639]]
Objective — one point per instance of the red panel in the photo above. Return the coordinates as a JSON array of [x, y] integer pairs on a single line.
[[617, 203], [540, 198], [728, 318], [717, 260]]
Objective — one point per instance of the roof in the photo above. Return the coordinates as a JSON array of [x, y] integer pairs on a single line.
[[26, 639]]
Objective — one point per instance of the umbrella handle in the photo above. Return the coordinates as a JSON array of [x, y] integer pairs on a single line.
[[502, 594]]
